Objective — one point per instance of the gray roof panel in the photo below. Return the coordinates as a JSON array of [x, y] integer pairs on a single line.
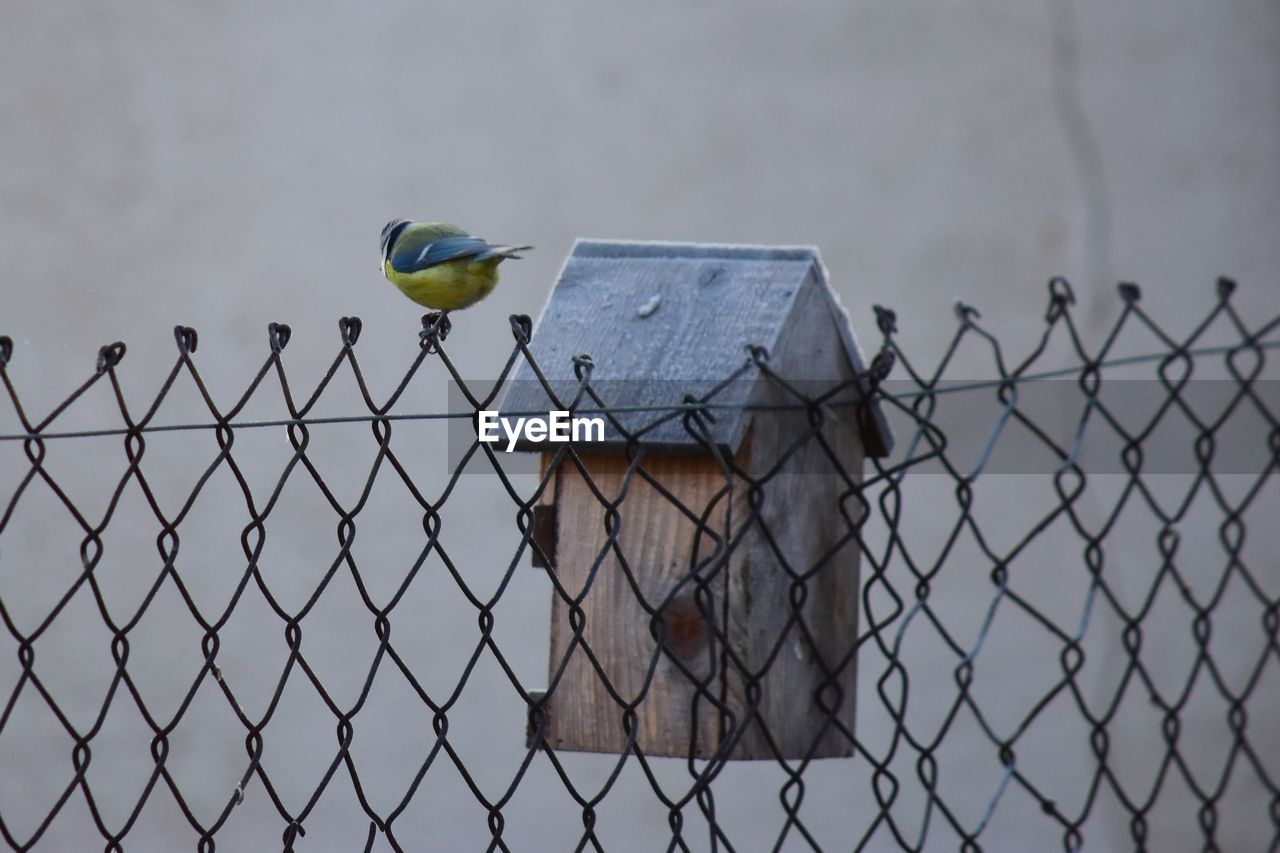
[[661, 320]]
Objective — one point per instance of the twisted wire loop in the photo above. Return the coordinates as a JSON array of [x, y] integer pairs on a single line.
[[1027, 676]]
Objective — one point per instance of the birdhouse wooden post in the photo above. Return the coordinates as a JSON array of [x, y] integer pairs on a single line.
[[707, 571]]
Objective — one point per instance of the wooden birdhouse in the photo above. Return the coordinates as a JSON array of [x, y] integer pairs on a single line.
[[706, 569]]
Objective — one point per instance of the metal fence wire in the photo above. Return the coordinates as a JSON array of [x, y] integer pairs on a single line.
[[1094, 668]]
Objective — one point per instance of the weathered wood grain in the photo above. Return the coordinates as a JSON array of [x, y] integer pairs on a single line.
[[798, 545], [660, 545]]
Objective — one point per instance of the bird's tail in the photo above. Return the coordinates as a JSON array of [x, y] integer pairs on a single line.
[[502, 252]]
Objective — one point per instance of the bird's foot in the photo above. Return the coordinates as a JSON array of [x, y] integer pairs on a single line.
[[435, 328]]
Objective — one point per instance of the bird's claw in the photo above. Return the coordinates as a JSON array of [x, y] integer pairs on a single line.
[[435, 328]]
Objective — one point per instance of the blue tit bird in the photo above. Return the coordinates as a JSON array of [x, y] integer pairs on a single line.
[[441, 266]]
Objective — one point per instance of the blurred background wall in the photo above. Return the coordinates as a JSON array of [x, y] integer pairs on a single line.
[[228, 164]]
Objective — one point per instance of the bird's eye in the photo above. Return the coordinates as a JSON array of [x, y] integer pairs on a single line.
[[391, 230]]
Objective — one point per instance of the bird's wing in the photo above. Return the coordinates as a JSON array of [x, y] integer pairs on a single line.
[[413, 258]]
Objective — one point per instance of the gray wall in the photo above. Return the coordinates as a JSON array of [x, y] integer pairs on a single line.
[[223, 165]]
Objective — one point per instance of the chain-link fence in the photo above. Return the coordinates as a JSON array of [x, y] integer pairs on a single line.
[[1065, 628]]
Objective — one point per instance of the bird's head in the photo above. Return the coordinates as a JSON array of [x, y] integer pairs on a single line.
[[390, 232]]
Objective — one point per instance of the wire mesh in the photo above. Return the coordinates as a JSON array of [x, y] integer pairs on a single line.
[[1094, 668]]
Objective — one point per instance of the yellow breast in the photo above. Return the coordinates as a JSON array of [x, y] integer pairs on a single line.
[[448, 286]]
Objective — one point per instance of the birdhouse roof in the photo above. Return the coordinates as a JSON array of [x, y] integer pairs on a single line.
[[665, 320]]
